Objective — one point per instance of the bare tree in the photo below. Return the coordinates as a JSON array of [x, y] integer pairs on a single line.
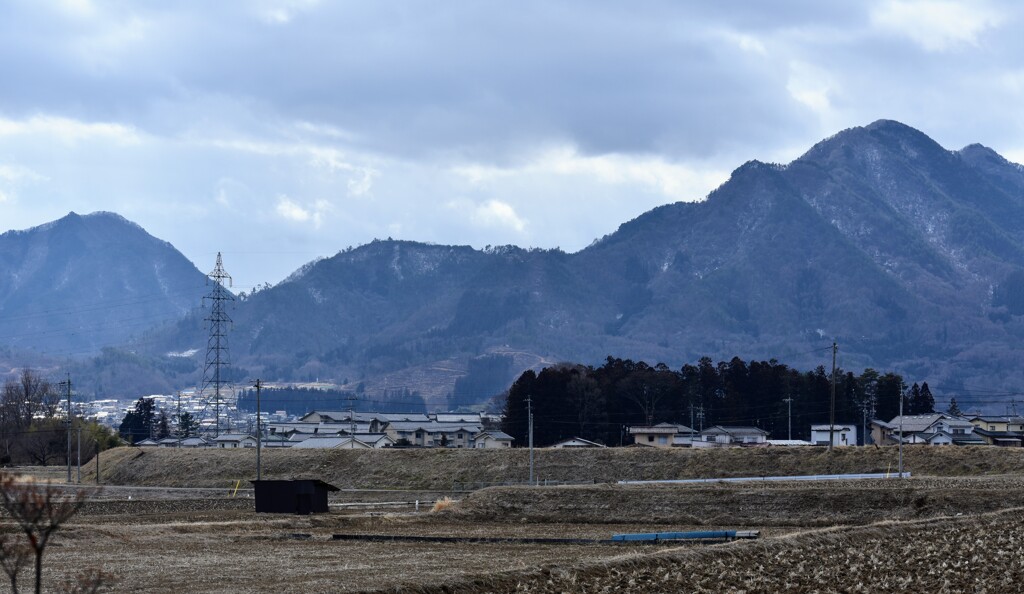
[[23, 400], [14, 556], [38, 510]]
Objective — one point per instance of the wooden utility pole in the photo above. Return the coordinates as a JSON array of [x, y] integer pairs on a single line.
[[529, 412], [259, 435], [789, 415], [67, 384], [832, 408]]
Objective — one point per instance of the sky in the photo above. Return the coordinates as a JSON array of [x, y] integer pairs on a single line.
[[280, 131]]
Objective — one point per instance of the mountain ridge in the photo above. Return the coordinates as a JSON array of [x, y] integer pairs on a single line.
[[910, 255]]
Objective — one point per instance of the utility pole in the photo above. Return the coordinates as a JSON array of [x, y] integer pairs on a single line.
[[178, 424], [700, 416], [529, 413], [79, 455], [259, 434], [352, 418], [67, 423], [832, 408], [789, 403], [901, 436]]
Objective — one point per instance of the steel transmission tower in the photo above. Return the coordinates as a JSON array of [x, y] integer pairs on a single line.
[[218, 323]]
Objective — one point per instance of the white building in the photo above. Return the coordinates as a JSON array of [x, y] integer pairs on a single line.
[[842, 435]]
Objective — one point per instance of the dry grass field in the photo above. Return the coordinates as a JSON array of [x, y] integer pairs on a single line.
[[953, 527]]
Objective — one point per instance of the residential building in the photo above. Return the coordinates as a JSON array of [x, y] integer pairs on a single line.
[[924, 429], [842, 435], [663, 435], [492, 438], [576, 442], [731, 436], [997, 423]]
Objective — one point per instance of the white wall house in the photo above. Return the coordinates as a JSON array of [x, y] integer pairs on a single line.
[[843, 435]]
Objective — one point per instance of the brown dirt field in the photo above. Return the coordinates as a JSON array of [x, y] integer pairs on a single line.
[[175, 540], [151, 548], [804, 504], [440, 469], [968, 554]]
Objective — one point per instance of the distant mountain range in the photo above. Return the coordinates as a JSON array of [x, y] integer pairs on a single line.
[[910, 256], [81, 282]]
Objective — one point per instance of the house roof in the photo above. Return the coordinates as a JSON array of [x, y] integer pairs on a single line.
[[495, 434], [838, 427], [473, 418], [661, 428], [330, 442], [233, 437], [584, 443], [916, 423], [734, 431], [433, 426], [1004, 419]]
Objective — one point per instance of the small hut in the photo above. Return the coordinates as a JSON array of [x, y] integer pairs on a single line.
[[303, 497]]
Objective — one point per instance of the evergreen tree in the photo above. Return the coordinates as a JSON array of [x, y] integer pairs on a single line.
[[953, 408], [188, 425], [927, 400], [912, 403], [137, 424], [162, 428]]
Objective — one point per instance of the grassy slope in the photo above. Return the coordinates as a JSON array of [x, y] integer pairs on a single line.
[[439, 469]]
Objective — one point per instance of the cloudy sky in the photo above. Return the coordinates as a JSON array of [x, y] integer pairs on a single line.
[[278, 131]]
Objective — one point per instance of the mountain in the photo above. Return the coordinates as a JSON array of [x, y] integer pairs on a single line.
[[909, 255], [81, 283]]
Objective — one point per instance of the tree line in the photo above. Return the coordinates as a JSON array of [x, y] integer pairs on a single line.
[[34, 425], [599, 403]]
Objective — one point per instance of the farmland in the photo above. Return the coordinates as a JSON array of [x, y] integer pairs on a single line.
[[955, 526]]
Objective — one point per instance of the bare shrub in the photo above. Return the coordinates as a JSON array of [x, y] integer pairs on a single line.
[[442, 504], [37, 510]]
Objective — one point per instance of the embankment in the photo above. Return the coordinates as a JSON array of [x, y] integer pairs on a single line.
[[440, 469]]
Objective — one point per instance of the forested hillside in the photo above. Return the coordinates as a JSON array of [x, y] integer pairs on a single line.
[[599, 403]]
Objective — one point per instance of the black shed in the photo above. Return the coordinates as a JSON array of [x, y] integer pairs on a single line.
[[302, 497]]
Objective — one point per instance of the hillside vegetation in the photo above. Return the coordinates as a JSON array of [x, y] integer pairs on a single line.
[[440, 469]]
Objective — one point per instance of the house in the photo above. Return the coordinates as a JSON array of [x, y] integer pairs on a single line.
[[432, 434], [234, 440], [492, 438], [664, 435], [184, 442], [924, 429], [842, 435], [1010, 439], [332, 442], [731, 436], [576, 442], [149, 442], [997, 423]]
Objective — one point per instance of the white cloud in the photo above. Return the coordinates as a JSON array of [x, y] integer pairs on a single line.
[[495, 213], [17, 173], [293, 211], [936, 25], [744, 41], [672, 180], [281, 12], [4, 197], [811, 86], [69, 131]]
